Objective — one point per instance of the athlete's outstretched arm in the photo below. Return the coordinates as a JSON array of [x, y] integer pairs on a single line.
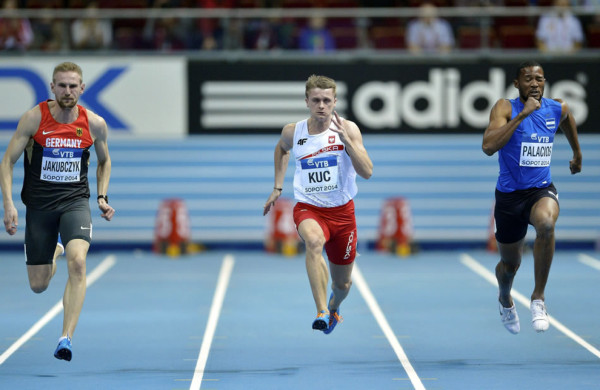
[[27, 127], [569, 127], [281, 159], [352, 138], [99, 132]]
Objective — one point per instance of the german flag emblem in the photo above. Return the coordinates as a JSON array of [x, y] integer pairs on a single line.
[[79, 131]]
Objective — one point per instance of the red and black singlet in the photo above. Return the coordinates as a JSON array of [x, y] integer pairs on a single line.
[[56, 161]]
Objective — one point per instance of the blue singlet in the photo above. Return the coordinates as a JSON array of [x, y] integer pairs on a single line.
[[525, 159]]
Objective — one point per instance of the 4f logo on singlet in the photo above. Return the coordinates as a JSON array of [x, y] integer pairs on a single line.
[[302, 141]]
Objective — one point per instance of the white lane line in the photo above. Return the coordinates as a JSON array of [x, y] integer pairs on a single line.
[[100, 270], [589, 261], [213, 319], [365, 291], [479, 269]]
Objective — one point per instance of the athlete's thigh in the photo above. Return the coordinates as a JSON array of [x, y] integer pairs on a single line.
[[309, 223], [41, 235], [511, 227], [76, 222], [310, 229], [341, 248]]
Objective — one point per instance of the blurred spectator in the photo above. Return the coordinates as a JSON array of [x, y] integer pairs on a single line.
[[210, 34], [315, 36], [429, 33], [233, 38], [270, 34], [166, 34], [265, 37], [559, 30], [91, 33], [50, 34], [15, 33]]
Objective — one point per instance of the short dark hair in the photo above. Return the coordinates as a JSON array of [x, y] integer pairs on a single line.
[[526, 64]]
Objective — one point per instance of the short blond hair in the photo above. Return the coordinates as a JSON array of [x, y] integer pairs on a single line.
[[68, 67], [321, 82]]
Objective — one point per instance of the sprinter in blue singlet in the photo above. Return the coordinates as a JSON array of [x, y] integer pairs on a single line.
[[522, 132]]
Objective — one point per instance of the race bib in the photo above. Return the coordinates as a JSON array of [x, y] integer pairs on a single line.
[[319, 174], [61, 165], [534, 154]]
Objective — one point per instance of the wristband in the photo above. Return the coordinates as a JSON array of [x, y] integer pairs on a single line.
[[278, 189], [105, 197]]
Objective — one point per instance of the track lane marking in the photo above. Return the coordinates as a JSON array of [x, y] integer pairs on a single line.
[[213, 319], [589, 261], [479, 269], [368, 296], [100, 270]]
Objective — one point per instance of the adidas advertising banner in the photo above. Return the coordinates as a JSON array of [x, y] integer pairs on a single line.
[[142, 97], [449, 97]]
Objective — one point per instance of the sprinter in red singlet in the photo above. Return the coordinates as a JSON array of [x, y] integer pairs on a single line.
[[329, 152], [56, 136]]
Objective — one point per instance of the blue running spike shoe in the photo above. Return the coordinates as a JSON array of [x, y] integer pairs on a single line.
[[60, 244], [334, 317], [322, 321], [63, 350]]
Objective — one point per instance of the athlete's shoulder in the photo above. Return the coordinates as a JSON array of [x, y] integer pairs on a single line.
[[503, 107], [31, 119], [288, 130], [94, 119]]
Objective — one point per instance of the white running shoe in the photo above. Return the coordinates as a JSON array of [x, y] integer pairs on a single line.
[[539, 317], [510, 318]]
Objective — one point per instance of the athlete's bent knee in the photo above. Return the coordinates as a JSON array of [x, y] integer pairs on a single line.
[[38, 287]]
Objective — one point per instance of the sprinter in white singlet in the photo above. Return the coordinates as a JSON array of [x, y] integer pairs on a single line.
[[329, 153]]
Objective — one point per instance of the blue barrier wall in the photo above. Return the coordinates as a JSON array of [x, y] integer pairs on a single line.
[[225, 180]]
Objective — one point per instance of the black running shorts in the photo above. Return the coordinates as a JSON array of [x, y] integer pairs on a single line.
[[512, 209], [72, 220]]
